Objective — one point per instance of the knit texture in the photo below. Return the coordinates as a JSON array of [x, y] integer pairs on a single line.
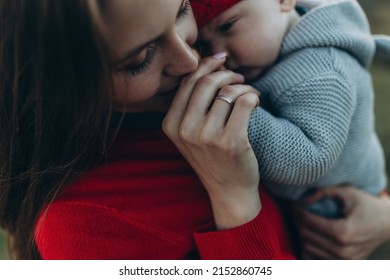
[[146, 202], [316, 124], [206, 10]]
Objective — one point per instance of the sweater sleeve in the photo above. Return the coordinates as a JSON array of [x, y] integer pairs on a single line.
[[254, 240], [307, 131], [263, 238]]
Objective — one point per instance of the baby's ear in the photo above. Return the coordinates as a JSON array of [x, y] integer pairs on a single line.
[[287, 5]]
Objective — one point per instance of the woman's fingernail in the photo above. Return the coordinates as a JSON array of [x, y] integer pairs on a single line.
[[241, 76], [220, 55]]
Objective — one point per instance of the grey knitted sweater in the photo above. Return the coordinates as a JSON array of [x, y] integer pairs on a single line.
[[315, 127]]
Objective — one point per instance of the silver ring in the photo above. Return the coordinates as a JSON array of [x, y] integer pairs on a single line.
[[225, 98]]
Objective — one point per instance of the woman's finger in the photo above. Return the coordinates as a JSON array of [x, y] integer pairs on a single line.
[[239, 119], [310, 220], [206, 89], [315, 234], [342, 194], [182, 97], [339, 193], [318, 245], [221, 108], [313, 252]]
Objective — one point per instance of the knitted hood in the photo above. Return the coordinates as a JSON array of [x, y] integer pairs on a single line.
[[350, 31]]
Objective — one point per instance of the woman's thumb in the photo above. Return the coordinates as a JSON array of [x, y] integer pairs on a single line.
[[342, 194]]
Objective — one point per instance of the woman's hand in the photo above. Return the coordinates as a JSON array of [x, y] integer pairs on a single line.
[[212, 136], [366, 225]]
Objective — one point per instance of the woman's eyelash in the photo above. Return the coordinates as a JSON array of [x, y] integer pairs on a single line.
[[184, 10], [144, 65]]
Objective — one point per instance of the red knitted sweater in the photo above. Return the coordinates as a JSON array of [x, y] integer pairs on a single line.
[[147, 203]]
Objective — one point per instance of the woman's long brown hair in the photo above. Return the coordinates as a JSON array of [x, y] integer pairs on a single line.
[[54, 113]]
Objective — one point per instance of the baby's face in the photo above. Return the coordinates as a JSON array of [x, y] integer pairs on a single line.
[[251, 32]]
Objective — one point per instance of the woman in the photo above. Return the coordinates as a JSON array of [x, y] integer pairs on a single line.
[[81, 180]]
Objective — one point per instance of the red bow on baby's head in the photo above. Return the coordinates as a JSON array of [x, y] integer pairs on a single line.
[[206, 10]]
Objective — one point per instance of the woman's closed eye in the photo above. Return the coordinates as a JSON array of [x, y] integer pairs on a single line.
[[184, 10], [142, 61]]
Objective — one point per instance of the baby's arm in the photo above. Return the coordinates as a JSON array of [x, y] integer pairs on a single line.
[[303, 139]]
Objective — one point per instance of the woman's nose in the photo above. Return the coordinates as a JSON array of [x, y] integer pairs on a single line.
[[182, 60]]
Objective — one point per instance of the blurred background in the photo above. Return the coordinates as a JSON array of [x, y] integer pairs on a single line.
[[378, 13]]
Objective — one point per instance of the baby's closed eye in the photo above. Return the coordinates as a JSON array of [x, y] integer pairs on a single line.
[[225, 27]]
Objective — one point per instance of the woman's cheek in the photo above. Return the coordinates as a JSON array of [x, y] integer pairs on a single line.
[[129, 90]]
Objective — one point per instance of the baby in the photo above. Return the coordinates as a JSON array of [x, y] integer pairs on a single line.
[[315, 127]]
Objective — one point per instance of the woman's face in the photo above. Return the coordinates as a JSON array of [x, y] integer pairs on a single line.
[[150, 48]]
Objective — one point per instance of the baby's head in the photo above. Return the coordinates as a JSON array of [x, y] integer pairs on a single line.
[[249, 31]]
